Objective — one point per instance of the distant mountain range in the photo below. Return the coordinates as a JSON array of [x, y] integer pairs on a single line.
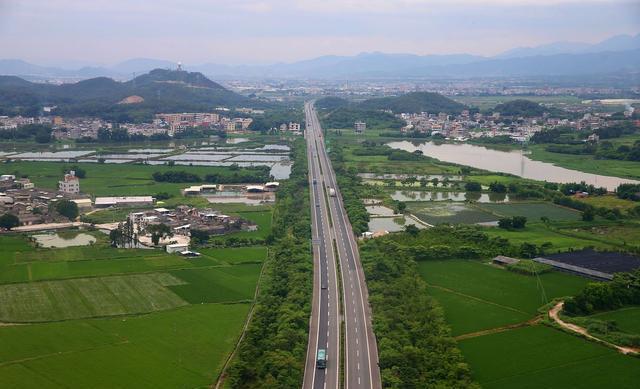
[[619, 54], [157, 91]]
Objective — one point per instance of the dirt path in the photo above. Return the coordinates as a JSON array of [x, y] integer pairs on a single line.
[[527, 323], [554, 314]]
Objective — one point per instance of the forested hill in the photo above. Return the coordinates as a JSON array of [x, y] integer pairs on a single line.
[[520, 107], [413, 102], [162, 91]]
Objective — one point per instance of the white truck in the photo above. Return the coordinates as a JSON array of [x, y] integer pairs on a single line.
[[332, 192]]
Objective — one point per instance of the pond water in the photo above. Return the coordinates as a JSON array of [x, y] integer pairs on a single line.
[[58, 240], [379, 210], [513, 162], [233, 141], [53, 155], [391, 224], [409, 195]]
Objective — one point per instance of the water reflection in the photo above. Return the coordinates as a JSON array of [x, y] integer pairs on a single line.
[[512, 162]]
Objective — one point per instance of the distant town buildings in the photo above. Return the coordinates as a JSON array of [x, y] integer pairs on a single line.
[[360, 127]]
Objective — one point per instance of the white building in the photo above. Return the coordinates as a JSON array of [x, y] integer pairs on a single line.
[[294, 126], [360, 127], [70, 183]]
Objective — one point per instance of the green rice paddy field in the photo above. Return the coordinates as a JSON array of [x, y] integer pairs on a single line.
[[478, 296], [100, 317], [543, 357], [108, 179], [532, 211], [481, 297], [627, 319], [181, 348]]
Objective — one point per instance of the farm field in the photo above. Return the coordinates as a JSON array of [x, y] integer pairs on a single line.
[[532, 211], [88, 297], [183, 348], [109, 179], [627, 319], [609, 201], [477, 296], [587, 163], [235, 255], [539, 234], [446, 212], [621, 234], [543, 357]]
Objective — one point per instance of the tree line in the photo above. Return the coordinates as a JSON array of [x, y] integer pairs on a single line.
[[272, 354]]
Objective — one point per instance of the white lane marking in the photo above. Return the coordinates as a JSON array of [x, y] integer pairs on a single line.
[[358, 365], [357, 352]]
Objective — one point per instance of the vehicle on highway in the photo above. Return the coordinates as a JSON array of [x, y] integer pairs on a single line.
[[332, 192], [315, 181], [321, 361]]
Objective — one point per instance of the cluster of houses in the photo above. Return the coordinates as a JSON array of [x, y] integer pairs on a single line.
[[183, 219], [466, 125], [21, 198]]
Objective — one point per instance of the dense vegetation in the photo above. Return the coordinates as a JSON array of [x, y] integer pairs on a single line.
[[235, 175], [274, 118], [415, 347], [415, 102], [520, 108], [40, 133], [273, 351], [345, 117], [629, 191], [604, 296]]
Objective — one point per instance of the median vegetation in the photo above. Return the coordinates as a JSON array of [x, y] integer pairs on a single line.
[[273, 351]]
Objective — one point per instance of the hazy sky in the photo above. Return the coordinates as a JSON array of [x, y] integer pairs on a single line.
[[265, 31]]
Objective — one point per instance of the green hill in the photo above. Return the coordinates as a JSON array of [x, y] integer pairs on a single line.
[[162, 91], [414, 102], [520, 107]]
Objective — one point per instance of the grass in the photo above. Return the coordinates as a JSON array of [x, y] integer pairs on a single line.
[[446, 212], [236, 255], [587, 163], [108, 179], [477, 296], [183, 348], [214, 285], [532, 211], [539, 234], [488, 102], [609, 201], [88, 297], [543, 357], [627, 319], [621, 234]]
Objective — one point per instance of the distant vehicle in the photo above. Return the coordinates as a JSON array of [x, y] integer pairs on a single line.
[[332, 192], [321, 362], [318, 205], [315, 181]]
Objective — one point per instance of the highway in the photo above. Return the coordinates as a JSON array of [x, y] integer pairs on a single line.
[[331, 233]]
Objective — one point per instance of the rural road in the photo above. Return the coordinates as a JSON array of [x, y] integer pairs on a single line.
[[332, 234], [554, 313]]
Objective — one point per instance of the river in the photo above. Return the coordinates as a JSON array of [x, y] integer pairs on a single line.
[[513, 162]]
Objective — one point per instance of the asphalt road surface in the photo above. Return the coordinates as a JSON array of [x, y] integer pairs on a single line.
[[331, 234]]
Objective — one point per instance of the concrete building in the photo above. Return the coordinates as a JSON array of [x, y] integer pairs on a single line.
[[70, 183], [294, 126], [360, 127]]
